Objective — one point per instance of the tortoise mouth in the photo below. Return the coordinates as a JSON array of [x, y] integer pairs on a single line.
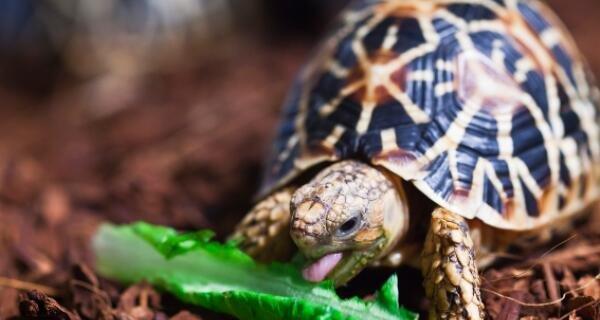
[[342, 266], [319, 269]]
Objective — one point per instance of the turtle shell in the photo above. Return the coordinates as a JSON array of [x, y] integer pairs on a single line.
[[486, 106]]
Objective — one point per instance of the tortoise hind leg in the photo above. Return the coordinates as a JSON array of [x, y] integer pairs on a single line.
[[264, 232], [449, 268]]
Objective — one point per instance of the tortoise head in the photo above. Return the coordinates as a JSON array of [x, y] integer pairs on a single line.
[[347, 217]]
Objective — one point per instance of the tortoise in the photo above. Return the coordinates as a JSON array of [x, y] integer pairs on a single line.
[[449, 128]]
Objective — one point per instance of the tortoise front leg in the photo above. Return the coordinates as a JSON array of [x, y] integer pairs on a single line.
[[448, 266], [264, 233]]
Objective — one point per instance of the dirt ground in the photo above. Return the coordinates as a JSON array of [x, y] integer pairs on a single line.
[[185, 149]]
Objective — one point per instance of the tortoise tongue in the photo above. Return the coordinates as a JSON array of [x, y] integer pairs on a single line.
[[318, 270]]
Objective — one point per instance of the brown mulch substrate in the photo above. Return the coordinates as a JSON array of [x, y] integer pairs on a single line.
[[185, 150], [561, 282], [182, 150]]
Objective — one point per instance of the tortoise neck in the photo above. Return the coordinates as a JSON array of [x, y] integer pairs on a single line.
[[395, 215]]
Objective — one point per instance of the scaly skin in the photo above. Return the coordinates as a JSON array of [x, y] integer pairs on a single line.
[[317, 216], [352, 208], [264, 231], [450, 270]]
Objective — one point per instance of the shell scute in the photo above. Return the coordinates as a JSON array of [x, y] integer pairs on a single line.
[[486, 108]]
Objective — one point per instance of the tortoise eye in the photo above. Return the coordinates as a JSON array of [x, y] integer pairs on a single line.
[[348, 227]]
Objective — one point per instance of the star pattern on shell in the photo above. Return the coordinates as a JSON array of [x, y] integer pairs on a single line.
[[486, 106]]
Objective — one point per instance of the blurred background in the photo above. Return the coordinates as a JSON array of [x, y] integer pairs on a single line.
[[121, 110]]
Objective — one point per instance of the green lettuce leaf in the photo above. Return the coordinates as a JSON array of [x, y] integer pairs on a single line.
[[221, 277]]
